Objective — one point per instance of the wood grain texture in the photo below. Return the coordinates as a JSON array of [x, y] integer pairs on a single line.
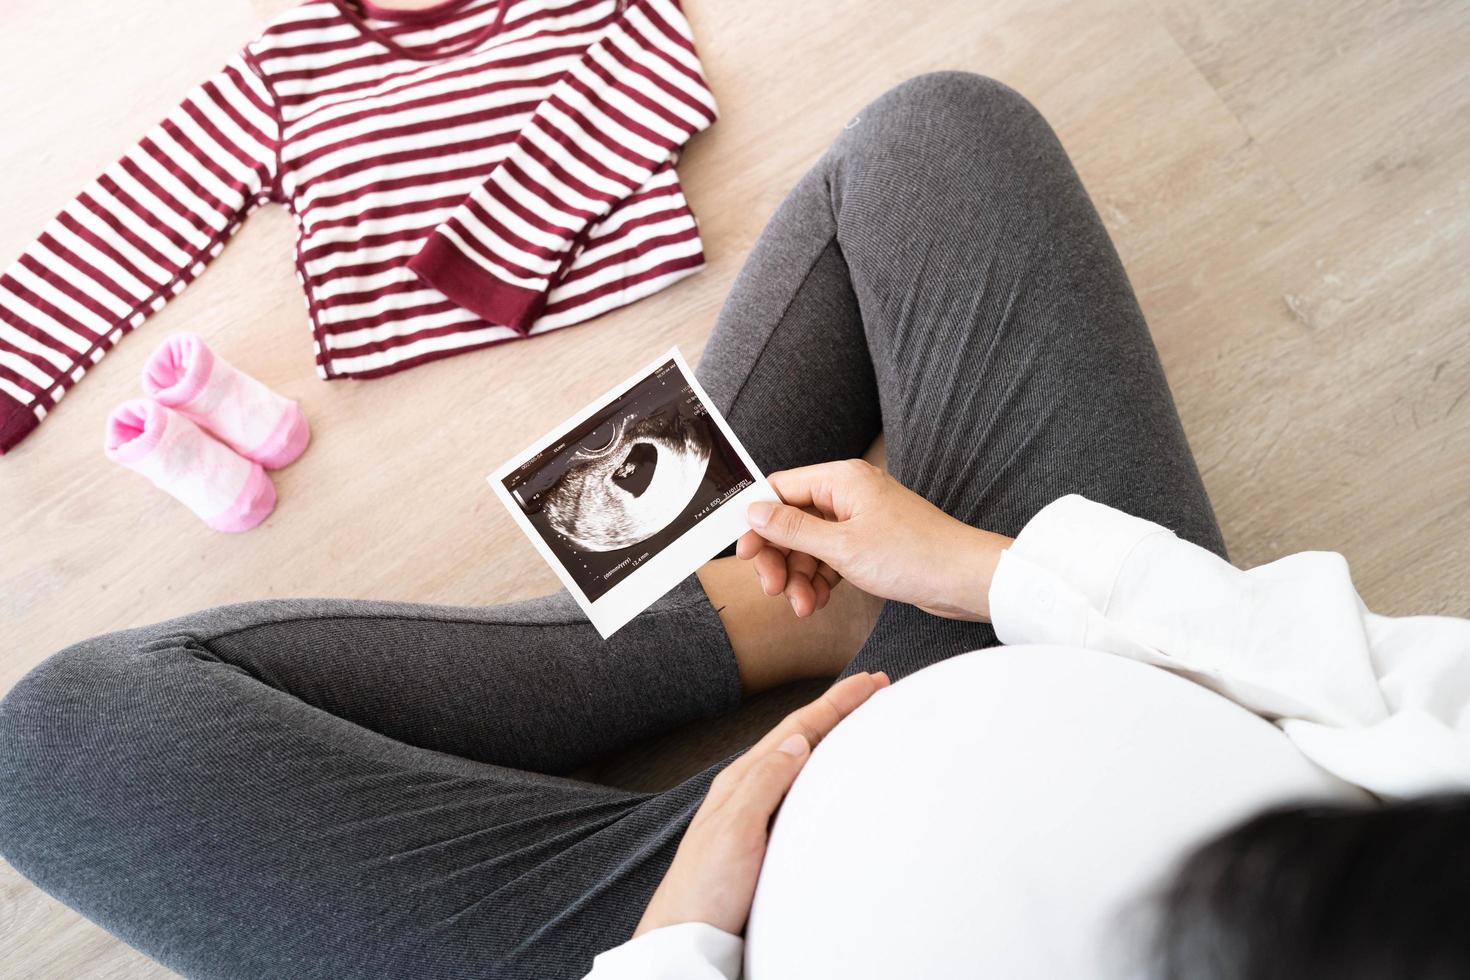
[[1289, 186]]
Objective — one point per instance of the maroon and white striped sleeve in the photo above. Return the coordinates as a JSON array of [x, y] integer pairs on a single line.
[[633, 99], [133, 239]]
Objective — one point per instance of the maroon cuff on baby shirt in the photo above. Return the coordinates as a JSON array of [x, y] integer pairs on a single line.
[[16, 422], [468, 284]]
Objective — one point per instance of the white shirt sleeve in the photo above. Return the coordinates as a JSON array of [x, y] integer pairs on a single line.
[[688, 951], [1380, 702]]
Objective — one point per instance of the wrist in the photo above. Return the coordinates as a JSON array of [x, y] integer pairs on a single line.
[[975, 564]]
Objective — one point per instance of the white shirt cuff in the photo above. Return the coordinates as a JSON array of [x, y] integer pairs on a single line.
[[687, 951], [1061, 571]]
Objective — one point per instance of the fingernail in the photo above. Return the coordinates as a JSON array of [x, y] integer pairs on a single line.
[[758, 514], [794, 745]]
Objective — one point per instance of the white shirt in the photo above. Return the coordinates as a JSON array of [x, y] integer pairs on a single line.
[[1006, 812]]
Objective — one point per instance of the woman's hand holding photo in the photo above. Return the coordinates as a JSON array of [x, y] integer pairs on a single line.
[[849, 519], [713, 876]]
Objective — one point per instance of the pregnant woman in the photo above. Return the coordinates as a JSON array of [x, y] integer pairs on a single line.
[[327, 788]]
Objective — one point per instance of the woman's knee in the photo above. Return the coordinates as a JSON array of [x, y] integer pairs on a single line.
[[950, 127], [59, 725], [953, 104], [58, 687], [940, 92]]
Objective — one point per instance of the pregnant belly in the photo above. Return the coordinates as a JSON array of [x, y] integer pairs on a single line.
[[1004, 814]]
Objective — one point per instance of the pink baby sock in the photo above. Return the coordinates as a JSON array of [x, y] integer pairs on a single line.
[[229, 492], [185, 375]]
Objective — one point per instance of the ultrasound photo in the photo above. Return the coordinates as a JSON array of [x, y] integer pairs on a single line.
[[630, 479]]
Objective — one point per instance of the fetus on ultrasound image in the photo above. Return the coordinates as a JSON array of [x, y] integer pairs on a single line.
[[616, 489]]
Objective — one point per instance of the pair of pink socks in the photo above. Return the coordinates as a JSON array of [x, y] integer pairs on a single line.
[[219, 474]]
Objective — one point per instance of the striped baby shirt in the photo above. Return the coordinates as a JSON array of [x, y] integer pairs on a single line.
[[461, 175]]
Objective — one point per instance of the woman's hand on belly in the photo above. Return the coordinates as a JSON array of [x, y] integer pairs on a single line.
[[851, 520], [713, 875]]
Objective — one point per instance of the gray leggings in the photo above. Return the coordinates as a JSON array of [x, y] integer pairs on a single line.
[[333, 788]]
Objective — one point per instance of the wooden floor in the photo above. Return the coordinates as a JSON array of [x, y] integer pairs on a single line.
[[1288, 183]]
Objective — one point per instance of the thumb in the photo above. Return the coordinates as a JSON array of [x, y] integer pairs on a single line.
[[765, 785], [793, 528]]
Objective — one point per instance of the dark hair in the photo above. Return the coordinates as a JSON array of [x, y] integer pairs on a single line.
[[1341, 892]]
